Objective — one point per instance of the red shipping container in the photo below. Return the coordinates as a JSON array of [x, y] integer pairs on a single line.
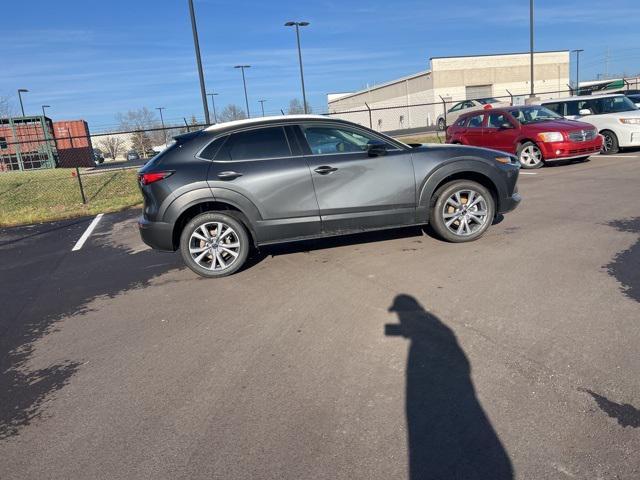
[[73, 143]]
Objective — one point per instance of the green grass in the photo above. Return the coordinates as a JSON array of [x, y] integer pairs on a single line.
[[46, 195]]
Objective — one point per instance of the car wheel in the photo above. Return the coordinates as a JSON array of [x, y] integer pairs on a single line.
[[530, 155], [462, 211], [214, 244], [610, 143], [441, 124]]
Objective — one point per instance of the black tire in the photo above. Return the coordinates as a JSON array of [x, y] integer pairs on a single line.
[[529, 162], [214, 224], [442, 211], [441, 124], [610, 144]]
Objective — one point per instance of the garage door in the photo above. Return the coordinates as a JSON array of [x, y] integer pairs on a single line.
[[479, 91]]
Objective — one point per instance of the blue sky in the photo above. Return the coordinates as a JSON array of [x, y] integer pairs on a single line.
[[92, 59]]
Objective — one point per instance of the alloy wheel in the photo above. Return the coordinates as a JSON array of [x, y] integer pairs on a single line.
[[214, 246], [531, 156], [465, 212], [607, 144]]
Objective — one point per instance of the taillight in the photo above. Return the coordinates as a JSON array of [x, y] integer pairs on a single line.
[[152, 177]]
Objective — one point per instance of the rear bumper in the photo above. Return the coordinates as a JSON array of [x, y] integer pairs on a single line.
[[570, 150], [158, 235], [510, 203]]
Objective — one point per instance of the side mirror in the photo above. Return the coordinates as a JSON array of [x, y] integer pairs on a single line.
[[584, 111], [376, 149], [506, 126]]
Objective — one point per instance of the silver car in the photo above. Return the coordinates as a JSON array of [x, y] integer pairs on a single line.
[[463, 107]]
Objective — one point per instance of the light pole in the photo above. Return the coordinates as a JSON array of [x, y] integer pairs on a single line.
[[43, 107], [244, 82], [213, 104], [578, 68], [298, 25], [531, 43], [164, 132], [196, 44], [262, 106], [20, 92]]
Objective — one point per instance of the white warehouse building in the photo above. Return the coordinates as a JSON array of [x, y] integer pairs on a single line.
[[454, 79]]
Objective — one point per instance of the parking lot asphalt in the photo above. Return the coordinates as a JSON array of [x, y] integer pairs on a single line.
[[376, 356]]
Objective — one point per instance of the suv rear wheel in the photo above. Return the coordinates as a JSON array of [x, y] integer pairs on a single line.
[[530, 155], [463, 211], [214, 244]]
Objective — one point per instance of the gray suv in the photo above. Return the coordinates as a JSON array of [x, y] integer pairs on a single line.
[[216, 193]]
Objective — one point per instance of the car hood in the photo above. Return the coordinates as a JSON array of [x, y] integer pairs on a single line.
[[558, 126]]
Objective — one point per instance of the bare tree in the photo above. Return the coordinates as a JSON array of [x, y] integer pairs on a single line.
[[232, 112], [6, 108], [296, 108], [112, 145], [141, 124]]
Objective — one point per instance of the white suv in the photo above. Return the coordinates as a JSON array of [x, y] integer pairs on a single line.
[[615, 116]]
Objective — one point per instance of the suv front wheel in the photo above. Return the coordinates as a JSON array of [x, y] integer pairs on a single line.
[[214, 244], [462, 212]]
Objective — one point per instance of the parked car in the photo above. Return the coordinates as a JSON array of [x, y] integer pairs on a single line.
[[533, 133], [635, 98], [98, 156], [615, 116], [132, 155], [461, 108], [216, 192]]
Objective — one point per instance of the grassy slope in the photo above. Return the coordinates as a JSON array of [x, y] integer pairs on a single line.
[[46, 195]]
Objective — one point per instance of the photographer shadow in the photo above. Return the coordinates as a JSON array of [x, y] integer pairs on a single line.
[[449, 434]]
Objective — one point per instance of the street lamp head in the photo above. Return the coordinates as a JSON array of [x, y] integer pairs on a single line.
[[242, 66], [289, 24], [303, 24], [46, 106], [22, 90], [300, 24]]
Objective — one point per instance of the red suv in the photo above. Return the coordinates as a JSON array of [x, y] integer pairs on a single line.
[[534, 133]]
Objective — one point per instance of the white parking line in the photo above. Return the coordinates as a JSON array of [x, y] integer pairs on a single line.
[[87, 233], [528, 173]]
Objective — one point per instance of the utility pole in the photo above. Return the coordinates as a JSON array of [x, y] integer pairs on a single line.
[[606, 64], [531, 44], [244, 82], [213, 104], [298, 25], [262, 106], [578, 69], [164, 132], [20, 92], [196, 44]]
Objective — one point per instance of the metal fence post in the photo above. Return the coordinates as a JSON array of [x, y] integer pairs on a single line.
[[84, 199], [370, 121], [444, 110], [511, 96]]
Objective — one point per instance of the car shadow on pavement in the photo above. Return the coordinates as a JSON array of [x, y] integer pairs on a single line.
[[449, 434], [34, 302], [625, 267]]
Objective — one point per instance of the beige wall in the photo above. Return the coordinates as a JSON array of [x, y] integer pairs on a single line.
[[448, 78]]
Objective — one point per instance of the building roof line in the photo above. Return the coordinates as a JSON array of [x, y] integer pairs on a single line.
[[498, 54], [384, 84]]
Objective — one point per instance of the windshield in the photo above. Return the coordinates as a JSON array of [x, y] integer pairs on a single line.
[[533, 114], [486, 101]]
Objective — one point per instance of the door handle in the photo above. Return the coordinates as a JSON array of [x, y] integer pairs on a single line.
[[228, 175], [325, 169]]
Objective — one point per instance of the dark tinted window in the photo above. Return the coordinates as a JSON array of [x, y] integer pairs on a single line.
[[331, 140], [555, 107], [476, 121], [497, 119], [254, 144], [462, 121], [210, 151], [3, 143]]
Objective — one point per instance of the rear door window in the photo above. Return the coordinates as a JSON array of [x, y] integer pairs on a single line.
[[270, 142], [476, 121], [497, 119]]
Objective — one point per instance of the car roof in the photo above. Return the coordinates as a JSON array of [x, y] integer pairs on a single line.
[[581, 97], [262, 121]]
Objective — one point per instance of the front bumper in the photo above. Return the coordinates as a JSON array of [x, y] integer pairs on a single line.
[[510, 203], [158, 235], [570, 150]]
